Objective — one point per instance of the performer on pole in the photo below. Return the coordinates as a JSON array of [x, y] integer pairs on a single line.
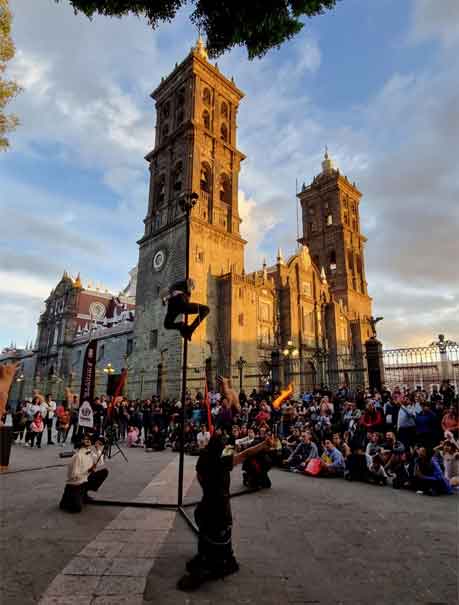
[[215, 558], [177, 297]]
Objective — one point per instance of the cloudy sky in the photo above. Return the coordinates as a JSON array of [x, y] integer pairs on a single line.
[[375, 81]]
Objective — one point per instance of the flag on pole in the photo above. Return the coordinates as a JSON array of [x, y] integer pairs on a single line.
[[121, 382], [210, 426]]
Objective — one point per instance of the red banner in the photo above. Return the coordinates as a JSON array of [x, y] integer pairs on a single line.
[[121, 383], [88, 376]]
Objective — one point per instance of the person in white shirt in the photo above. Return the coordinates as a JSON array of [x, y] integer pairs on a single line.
[[203, 437], [86, 472], [48, 412]]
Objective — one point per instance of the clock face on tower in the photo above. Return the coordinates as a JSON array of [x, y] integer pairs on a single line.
[[159, 259]]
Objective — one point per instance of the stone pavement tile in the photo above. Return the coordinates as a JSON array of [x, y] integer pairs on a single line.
[[120, 585], [140, 551], [66, 600], [115, 535], [156, 520], [129, 567], [86, 566], [69, 585], [97, 548], [135, 599]]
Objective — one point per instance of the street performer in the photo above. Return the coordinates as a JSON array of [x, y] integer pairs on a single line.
[[177, 297], [215, 558]]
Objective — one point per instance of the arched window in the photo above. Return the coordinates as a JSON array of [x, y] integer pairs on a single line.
[[165, 132], [206, 179], [179, 106], [332, 260], [206, 119], [224, 133], [166, 110], [181, 97], [225, 189], [206, 96], [360, 274], [160, 190], [177, 176], [224, 110], [346, 218]]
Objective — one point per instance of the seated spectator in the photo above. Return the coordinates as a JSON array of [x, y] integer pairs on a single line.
[[449, 453], [357, 462], [428, 476], [373, 445], [403, 471], [132, 436], [332, 461], [305, 451], [391, 451], [155, 441], [376, 472], [450, 421], [289, 444]]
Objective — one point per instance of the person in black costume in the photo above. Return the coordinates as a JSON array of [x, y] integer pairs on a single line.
[[215, 558], [177, 297]]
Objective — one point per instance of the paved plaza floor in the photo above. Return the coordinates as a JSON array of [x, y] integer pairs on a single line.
[[306, 540]]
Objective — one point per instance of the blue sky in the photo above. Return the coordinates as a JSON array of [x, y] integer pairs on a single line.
[[374, 80]]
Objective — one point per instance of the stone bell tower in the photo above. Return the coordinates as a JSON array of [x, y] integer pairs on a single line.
[[331, 230], [195, 151]]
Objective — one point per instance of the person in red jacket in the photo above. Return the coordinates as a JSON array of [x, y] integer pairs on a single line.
[[372, 419]]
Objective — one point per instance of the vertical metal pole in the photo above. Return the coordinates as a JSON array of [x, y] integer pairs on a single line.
[[184, 368]]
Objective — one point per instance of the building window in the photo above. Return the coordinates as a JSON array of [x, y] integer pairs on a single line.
[[206, 97], [129, 346], [206, 119], [164, 132], [205, 178], [225, 189], [224, 133], [166, 109], [332, 260], [265, 312], [153, 339], [241, 319], [177, 177], [224, 110]]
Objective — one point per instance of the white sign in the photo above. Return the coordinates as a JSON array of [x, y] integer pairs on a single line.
[[85, 415]]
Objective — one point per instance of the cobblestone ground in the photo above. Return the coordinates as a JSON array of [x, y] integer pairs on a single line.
[[304, 541]]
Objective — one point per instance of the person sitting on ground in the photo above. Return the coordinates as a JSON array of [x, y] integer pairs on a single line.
[[450, 421], [428, 476], [376, 472], [177, 297], [357, 462], [374, 444], [372, 418], [289, 444], [155, 441], [332, 461], [84, 474], [132, 436], [305, 451], [391, 451], [448, 450]]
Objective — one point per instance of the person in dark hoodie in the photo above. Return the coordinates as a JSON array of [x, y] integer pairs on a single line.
[[215, 557]]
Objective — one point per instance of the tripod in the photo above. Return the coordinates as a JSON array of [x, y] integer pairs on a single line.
[[112, 442]]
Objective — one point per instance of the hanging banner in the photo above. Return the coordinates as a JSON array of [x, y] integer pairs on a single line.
[[85, 415], [121, 383], [88, 376]]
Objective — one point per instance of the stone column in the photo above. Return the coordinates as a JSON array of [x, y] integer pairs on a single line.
[[375, 364]]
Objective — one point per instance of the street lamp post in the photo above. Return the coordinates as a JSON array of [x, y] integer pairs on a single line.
[[187, 202], [290, 352], [240, 366]]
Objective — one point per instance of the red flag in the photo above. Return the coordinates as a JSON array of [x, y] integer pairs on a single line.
[[209, 413], [121, 382]]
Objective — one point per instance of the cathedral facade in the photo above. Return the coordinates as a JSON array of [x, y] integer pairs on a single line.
[[314, 302], [303, 319]]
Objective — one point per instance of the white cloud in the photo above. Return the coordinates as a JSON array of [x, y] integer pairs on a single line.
[[436, 19]]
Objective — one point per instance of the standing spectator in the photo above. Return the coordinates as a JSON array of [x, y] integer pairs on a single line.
[[406, 424], [49, 406], [426, 422], [203, 437], [62, 422], [36, 429]]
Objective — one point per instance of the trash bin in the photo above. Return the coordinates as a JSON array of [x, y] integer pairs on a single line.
[[6, 439]]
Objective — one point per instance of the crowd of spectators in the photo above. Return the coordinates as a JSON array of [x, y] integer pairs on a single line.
[[405, 438]]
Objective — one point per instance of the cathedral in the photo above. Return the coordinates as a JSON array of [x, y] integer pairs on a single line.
[[314, 301], [304, 319]]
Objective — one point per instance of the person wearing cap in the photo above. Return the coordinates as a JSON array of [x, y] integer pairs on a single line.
[[177, 297]]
